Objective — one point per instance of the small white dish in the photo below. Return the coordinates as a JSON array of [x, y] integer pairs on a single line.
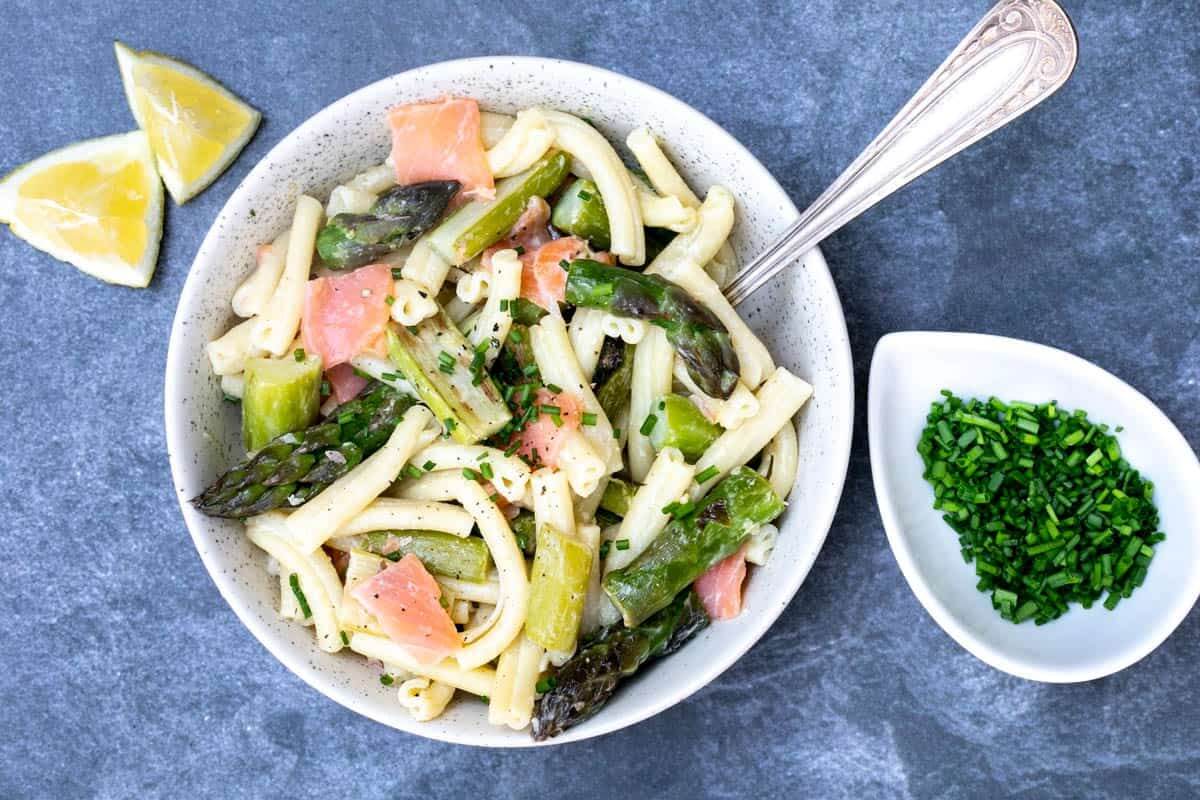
[[907, 372], [799, 319]]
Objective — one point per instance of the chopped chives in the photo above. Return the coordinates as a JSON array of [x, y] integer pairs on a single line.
[[470, 474], [708, 474], [301, 600], [386, 680], [648, 425], [300, 354], [411, 472], [588, 418], [621, 544], [520, 250], [396, 274], [428, 466], [553, 389], [485, 469]]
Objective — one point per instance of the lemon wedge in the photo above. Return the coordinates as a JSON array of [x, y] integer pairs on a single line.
[[196, 126], [97, 204]]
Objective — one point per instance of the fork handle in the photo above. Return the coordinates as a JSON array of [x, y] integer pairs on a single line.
[[1019, 54]]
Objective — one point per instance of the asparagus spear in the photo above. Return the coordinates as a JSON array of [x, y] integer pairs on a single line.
[[678, 423], [580, 211], [449, 377], [614, 375], [482, 223], [584, 683], [399, 215], [294, 467], [697, 335], [281, 395], [618, 494], [557, 587], [442, 553], [692, 543], [524, 527]]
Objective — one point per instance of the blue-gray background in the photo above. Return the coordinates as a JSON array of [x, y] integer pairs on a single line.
[[123, 673]]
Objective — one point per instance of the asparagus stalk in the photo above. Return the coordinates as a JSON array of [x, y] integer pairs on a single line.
[[399, 215], [678, 423], [584, 683], [281, 395], [692, 543], [449, 377], [614, 374], [618, 494], [294, 467], [697, 335], [480, 224], [557, 587], [466, 558], [580, 211]]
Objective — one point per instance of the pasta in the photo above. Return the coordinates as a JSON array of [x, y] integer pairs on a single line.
[[279, 321], [454, 438], [588, 145], [666, 482], [318, 519], [252, 296], [495, 320], [522, 144], [784, 394], [653, 361]]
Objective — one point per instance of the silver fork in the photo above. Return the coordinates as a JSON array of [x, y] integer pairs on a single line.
[[1019, 54]]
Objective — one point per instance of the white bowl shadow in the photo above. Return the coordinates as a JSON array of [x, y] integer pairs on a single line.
[[908, 371], [799, 317]]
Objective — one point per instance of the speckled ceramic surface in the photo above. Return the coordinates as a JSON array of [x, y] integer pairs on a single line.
[[799, 318]]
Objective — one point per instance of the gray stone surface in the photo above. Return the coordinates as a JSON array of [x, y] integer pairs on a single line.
[[124, 674]]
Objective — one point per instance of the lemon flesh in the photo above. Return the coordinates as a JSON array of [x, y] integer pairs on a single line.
[[196, 126], [96, 204]]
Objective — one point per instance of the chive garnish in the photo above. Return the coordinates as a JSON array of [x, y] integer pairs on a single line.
[[553, 388], [648, 425], [708, 474], [588, 418], [299, 354], [294, 582], [622, 544], [386, 680]]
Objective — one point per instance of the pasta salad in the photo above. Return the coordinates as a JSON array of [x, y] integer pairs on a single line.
[[505, 436]]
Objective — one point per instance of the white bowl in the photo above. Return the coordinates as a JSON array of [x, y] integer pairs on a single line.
[[907, 372], [799, 317]]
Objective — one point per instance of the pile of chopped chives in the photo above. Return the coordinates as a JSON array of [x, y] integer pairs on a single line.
[[1043, 503]]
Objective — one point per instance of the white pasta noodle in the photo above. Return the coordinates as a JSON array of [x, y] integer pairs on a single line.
[[314, 572], [552, 501], [458, 311], [376, 179], [557, 363], [477, 680], [665, 212], [425, 267], [493, 126], [234, 385], [460, 611], [781, 459], [653, 360], [280, 320], [658, 168], [605, 611], [360, 566], [486, 592], [510, 568], [348, 200], [435, 486], [761, 544], [411, 303], [517, 671], [666, 482], [755, 362], [323, 515], [630, 331], [425, 699], [252, 296], [581, 140], [714, 221], [389, 513], [723, 267], [586, 332], [495, 320], [383, 371], [473, 287], [740, 406], [227, 355], [589, 534], [510, 475], [585, 506], [580, 462], [782, 395], [522, 144]]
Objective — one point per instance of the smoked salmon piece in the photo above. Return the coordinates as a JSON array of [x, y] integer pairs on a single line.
[[541, 438], [345, 315], [404, 599], [441, 140], [720, 588]]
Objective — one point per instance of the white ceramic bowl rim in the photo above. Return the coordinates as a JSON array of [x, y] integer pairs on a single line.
[[756, 625]]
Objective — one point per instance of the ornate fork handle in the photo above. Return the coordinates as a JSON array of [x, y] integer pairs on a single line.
[[1019, 54]]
